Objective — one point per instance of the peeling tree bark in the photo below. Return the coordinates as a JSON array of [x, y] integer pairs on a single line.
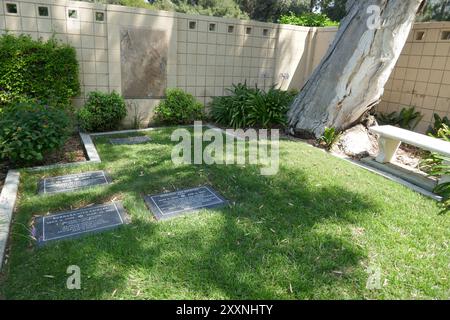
[[351, 77]]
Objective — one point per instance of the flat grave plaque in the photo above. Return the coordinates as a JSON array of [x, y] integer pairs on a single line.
[[130, 140], [75, 223], [73, 182], [172, 204]]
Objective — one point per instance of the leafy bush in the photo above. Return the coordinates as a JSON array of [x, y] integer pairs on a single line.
[[438, 124], [34, 69], [252, 107], [29, 130], [268, 109], [406, 118], [437, 165], [178, 107], [233, 110], [218, 8], [439, 169], [102, 112], [308, 19], [432, 160], [329, 138]]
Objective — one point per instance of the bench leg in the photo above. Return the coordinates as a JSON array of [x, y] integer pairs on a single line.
[[388, 148]]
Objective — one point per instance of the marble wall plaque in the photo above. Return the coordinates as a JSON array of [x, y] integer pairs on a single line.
[[143, 55], [72, 182], [172, 204], [130, 140], [74, 223]]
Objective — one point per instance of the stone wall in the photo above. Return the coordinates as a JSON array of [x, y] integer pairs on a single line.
[[140, 52], [422, 75]]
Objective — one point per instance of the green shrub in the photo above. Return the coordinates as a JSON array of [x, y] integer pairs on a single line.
[[102, 112], [252, 107], [437, 165], [34, 69], [29, 130], [441, 168], [308, 19], [233, 110], [438, 124], [432, 160], [329, 138], [268, 109], [178, 107], [407, 118]]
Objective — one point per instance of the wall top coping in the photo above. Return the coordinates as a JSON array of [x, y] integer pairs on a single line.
[[168, 14], [432, 25]]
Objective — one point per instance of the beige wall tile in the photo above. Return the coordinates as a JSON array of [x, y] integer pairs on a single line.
[[29, 24], [444, 91], [25, 9], [443, 104], [429, 49], [439, 63], [13, 23], [423, 75], [426, 62], [432, 89], [436, 76], [443, 49]]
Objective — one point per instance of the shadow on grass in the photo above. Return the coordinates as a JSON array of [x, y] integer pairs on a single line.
[[280, 238]]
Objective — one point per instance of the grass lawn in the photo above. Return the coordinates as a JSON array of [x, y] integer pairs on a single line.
[[309, 232]]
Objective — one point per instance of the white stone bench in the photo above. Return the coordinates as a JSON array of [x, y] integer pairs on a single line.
[[391, 137]]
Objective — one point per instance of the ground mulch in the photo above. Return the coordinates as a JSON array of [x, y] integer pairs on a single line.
[[72, 151]]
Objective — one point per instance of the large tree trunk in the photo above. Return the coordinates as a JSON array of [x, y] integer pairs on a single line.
[[351, 77]]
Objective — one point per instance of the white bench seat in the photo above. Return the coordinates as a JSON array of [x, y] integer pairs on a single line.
[[391, 137], [416, 139]]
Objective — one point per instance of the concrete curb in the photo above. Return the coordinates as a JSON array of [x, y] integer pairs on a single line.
[[362, 165], [391, 177], [10, 189], [7, 202]]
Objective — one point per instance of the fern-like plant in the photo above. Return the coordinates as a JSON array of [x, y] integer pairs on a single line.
[[329, 138]]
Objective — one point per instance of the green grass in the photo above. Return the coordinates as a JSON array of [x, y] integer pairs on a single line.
[[309, 232]]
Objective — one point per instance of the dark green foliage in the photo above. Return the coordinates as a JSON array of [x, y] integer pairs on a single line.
[[334, 9], [218, 8], [329, 138], [252, 107], [406, 118], [271, 10], [102, 112], [29, 69], [308, 19], [29, 130], [438, 125], [436, 10], [437, 165], [178, 107], [441, 168], [261, 10], [268, 109], [443, 190]]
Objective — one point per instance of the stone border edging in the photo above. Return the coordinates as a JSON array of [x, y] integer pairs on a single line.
[[8, 198], [8, 195], [386, 175], [9, 192]]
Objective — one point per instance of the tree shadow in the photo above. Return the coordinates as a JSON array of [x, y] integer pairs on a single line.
[[280, 238]]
